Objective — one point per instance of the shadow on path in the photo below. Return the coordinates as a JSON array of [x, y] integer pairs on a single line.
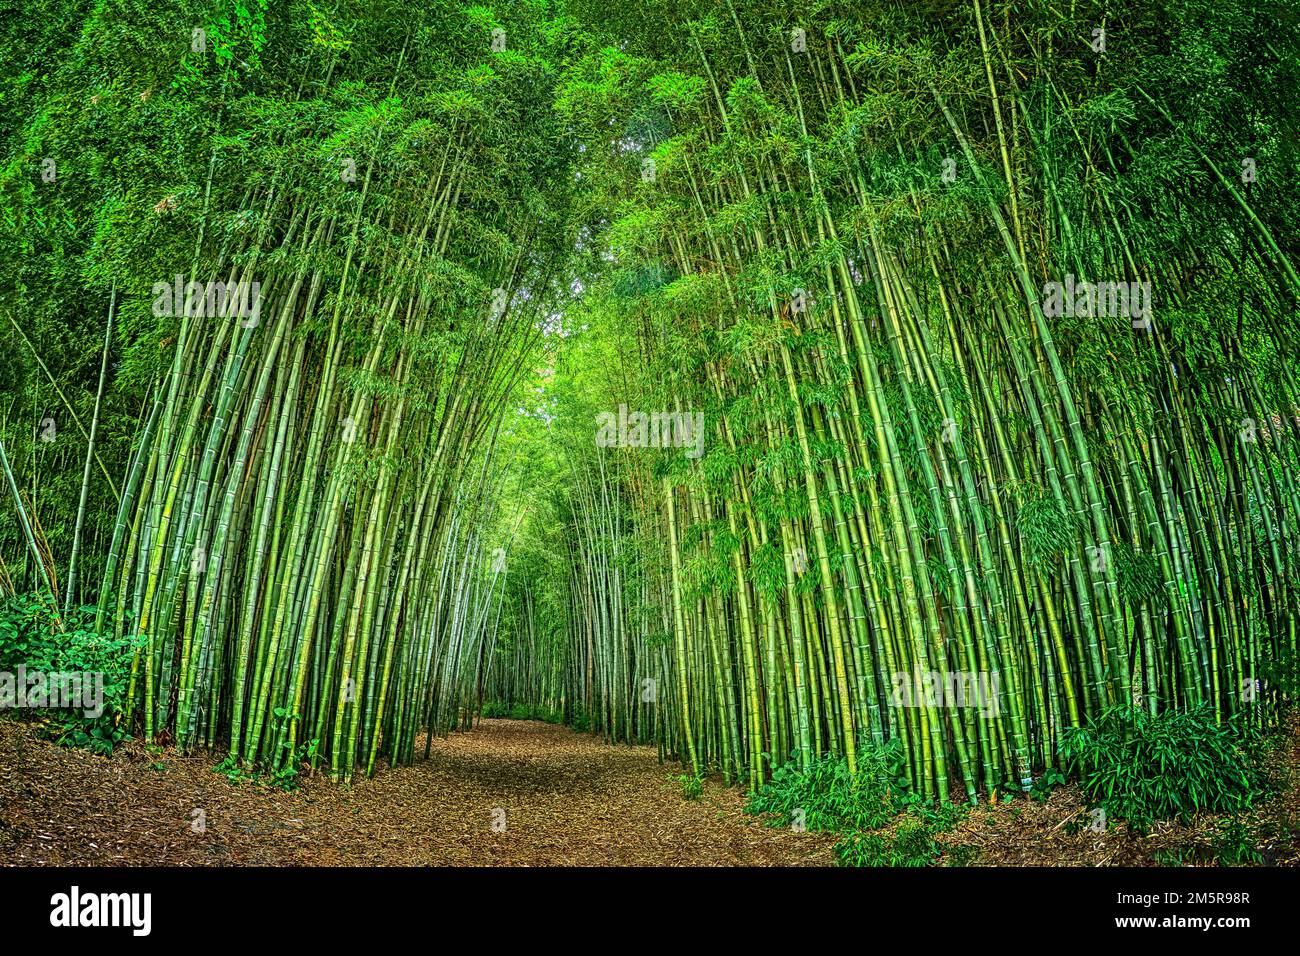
[[506, 793]]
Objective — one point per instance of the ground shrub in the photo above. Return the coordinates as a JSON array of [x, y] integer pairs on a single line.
[[826, 796], [1143, 768], [692, 786], [496, 710], [911, 843], [31, 638]]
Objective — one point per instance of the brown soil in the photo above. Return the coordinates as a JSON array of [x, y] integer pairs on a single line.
[[568, 799]]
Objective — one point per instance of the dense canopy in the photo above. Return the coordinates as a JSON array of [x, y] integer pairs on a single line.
[[760, 380]]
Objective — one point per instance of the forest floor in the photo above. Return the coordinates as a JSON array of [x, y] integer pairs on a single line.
[[516, 793], [1055, 831], [568, 799]]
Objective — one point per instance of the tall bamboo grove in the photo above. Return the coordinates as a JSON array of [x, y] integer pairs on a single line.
[[331, 249], [988, 312], [995, 339]]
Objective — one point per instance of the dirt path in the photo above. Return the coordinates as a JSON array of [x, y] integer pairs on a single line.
[[508, 793]]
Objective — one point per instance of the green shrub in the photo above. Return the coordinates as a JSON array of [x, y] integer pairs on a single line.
[[231, 769], [287, 779], [825, 796], [1142, 768], [1235, 844], [498, 710], [911, 844], [30, 637], [1043, 786], [579, 721], [692, 786], [939, 817]]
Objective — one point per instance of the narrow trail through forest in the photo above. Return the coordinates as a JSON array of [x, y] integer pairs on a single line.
[[568, 799]]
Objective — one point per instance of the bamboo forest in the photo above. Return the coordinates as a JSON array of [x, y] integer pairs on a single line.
[[857, 433]]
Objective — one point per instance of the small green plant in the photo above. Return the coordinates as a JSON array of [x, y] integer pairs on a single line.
[[832, 798], [692, 786], [1142, 768], [911, 844], [939, 817], [862, 849], [287, 779], [826, 796], [1044, 785], [962, 854], [1235, 844], [232, 771]]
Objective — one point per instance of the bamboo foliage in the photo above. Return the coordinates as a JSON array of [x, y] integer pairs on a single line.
[[299, 545], [939, 501], [918, 470]]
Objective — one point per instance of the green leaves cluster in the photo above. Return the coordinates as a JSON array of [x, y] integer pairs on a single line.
[[1143, 768], [827, 796], [31, 636]]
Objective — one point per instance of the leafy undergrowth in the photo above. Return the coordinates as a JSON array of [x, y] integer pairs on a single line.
[[1142, 768], [1061, 825], [494, 710], [1228, 788], [288, 778], [692, 786], [825, 796], [86, 672], [1168, 790]]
